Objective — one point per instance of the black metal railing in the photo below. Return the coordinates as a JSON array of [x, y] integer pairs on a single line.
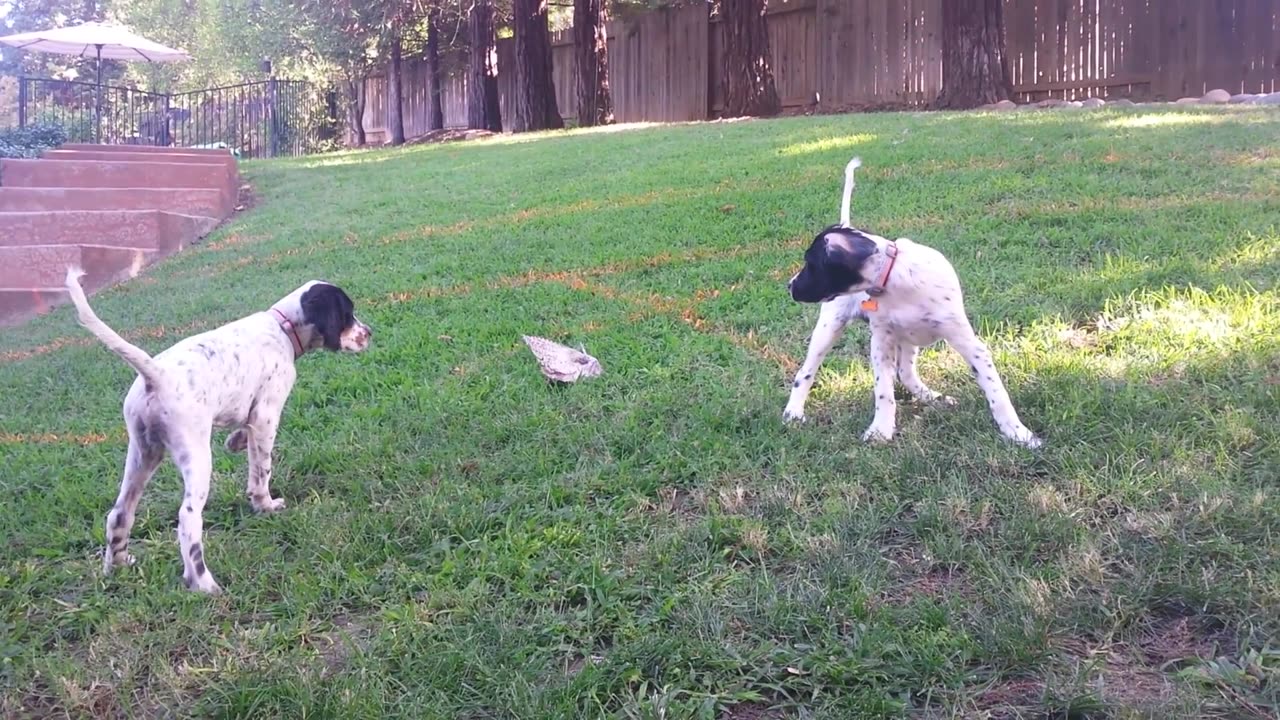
[[271, 118]]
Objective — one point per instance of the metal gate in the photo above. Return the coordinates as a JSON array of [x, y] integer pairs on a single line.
[[271, 118]]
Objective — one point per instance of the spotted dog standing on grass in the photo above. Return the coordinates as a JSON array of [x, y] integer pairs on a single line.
[[238, 375], [910, 296]]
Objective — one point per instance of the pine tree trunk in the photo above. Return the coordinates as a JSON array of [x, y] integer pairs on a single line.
[[595, 105], [534, 104], [975, 69], [483, 109], [355, 109], [395, 110], [435, 116], [748, 68]]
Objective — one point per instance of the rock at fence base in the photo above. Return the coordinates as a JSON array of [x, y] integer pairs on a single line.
[[1075, 104], [1242, 98], [561, 363], [1216, 97], [1094, 102], [1051, 103], [1006, 105], [1123, 102], [1267, 99], [1187, 101]]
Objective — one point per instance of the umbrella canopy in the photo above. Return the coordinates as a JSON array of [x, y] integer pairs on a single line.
[[95, 40]]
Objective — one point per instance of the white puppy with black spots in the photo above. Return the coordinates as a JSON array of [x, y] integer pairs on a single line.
[[910, 296], [238, 375]]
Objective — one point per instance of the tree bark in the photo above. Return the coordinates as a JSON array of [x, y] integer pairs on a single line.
[[975, 68], [435, 116], [747, 71], [595, 104], [534, 106], [483, 110], [355, 108], [395, 111]]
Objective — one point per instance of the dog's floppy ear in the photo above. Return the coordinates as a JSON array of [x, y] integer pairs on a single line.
[[327, 308], [847, 248]]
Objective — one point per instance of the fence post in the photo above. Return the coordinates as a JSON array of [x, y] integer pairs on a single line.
[[273, 134], [22, 100], [167, 138]]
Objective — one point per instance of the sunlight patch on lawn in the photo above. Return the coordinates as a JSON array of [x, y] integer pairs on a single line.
[[824, 144], [1165, 119]]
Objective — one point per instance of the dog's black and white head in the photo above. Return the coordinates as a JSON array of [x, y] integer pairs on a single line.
[[838, 262], [324, 317]]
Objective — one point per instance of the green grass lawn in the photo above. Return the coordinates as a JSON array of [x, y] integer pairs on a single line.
[[464, 541]]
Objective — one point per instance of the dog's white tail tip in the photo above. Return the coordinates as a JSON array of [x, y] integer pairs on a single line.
[[74, 274], [854, 163]]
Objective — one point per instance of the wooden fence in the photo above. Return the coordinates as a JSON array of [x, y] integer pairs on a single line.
[[665, 65]]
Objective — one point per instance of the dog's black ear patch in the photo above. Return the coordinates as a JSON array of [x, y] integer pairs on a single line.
[[328, 309], [832, 264], [848, 248]]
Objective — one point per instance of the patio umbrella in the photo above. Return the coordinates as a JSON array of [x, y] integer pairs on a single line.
[[95, 39]]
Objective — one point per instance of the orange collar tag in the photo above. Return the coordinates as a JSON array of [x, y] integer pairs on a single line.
[[870, 305]]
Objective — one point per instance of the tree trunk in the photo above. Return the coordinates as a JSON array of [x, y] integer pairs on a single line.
[[595, 105], [534, 106], [435, 118], [355, 108], [975, 69], [395, 111], [483, 109], [748, 69]]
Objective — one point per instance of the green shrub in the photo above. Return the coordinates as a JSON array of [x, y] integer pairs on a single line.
[[30, 141]]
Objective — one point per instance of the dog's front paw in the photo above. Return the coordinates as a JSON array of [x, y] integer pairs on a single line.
[[793, 415], [945, 401], [1026, 439], [237, 441], [110, 563], [268, 505], [203, 584], [1031, 443], [878, 435]]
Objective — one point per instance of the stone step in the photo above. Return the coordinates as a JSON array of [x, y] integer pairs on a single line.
[[202, 202], [44, 267], [118, 156], [31, 278], [19, 306], [109, 174], [156, 230], [145, 149]]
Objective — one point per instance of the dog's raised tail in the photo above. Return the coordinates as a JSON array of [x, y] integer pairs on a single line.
[[854, 164], [132, 354]]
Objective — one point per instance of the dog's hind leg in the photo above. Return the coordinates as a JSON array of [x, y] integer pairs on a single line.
[[910, 377], [975, 352], [195, 461], [832, 320], [140, 464], [262, 438]]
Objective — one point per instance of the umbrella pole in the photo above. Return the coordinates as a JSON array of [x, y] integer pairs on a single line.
[[97, 103]]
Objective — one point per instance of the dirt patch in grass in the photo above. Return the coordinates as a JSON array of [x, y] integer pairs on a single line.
[[1182, 637], [1139, 673], [751, 711], [349, 637], [1010, 698]]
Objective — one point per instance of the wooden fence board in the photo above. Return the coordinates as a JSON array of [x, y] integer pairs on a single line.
[[665, 65]]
